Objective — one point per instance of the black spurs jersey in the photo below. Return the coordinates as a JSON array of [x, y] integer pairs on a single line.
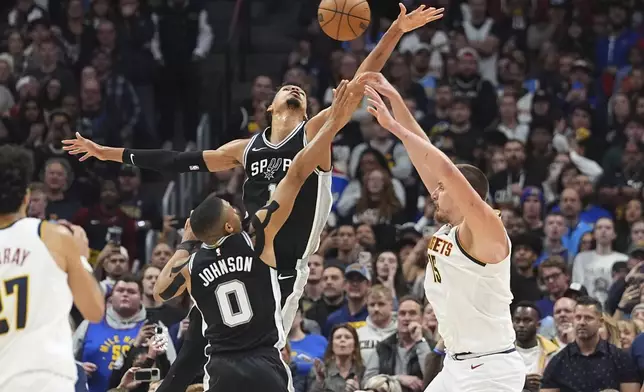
[[266, 165], [238, 296]]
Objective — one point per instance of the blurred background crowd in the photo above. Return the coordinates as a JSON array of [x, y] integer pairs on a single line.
[[546, 96]]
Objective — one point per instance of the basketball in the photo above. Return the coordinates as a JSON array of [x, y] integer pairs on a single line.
[[344, 20]]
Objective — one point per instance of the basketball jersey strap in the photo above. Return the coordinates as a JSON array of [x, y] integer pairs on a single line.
[[259, 227]]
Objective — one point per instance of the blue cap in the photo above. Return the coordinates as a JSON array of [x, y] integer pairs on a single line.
[[357, 268], [532, 191]]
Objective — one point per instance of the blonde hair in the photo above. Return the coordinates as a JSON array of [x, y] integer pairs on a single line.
[[383, 383], [380, 290], [630, 324], [195, 388], [613, 332]]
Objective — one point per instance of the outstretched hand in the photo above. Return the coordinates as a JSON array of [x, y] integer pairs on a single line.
[[378, 109], [417, 18], [80, 145], [346, 98], [378, 82]]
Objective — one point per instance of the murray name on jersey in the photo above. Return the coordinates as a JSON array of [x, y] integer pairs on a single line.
[[224, 266]]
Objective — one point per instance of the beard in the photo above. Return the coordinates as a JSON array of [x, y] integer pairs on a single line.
[[440, 216], [293, 103]]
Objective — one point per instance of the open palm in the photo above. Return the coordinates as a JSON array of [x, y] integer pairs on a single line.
[[378, 109], [418, 17], [80, 145]]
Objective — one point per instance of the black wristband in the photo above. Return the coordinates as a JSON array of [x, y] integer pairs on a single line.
[[191, 246]]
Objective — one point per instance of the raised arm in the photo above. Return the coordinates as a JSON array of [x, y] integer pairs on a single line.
[[347, 98], [174, 279], [225, 157], [490, 244], [378, 57]]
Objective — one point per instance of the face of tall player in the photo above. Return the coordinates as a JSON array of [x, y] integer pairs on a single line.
[[290, 99], [526, 322], [587, 321], [445, 211]]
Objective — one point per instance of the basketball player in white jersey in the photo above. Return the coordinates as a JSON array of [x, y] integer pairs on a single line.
[[43, 269], [468, 275]]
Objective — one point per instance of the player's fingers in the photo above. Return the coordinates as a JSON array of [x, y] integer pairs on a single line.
[[69, 141], [403, 10], [84, 157], [79, 136], [372, 111]]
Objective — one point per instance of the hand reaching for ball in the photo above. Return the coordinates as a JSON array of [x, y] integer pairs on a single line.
[[417, 18]]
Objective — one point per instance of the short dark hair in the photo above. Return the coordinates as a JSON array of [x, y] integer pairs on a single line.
[[411, 298], [205, 217], [16, 172], [586, 300], [129, 278], [476, 178], [528, 304], [554, 262]]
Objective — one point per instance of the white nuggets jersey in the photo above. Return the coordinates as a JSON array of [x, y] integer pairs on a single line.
[[471, 299], [35, 301]]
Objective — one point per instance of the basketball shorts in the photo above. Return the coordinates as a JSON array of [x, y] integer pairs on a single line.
[[258, 370], [292, 282], [496, 372], [38, 381]]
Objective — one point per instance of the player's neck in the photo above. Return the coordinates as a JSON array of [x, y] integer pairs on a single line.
[[604, 249], [282, 125], [7, 220]]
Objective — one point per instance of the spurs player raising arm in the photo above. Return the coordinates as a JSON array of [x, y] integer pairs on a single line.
[[43, 271], [242, 345], [468, 274]]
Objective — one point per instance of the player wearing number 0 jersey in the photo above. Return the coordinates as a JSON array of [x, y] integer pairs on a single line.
[[468, 274], [233, 278], [41, 274], [289, 131]]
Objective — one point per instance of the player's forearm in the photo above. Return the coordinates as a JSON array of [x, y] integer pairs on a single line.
[[113, 154], [315, 152], [376, 60], [429, 161], [171, 281], [163, 160], [404, 116]]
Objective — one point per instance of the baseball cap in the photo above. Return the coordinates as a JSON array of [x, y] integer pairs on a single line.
[[540, 96], [575, 290], [357, 268], [532, 191], [582, 64]]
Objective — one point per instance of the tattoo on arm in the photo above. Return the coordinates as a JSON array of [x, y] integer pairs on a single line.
[[174, 287]]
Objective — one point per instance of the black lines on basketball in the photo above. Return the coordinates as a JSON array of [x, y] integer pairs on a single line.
[[341, 15], [344, 13], [354, 18]]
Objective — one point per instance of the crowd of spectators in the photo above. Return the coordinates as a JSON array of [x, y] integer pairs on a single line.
[[546, 96]]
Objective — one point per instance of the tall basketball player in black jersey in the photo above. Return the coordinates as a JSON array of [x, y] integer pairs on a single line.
[[232, 277], [266, 159]]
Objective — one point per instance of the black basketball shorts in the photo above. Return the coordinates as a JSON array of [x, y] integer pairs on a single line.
[[258, 370]]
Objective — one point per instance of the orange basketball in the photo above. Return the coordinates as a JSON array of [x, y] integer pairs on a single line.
[[344, 20]]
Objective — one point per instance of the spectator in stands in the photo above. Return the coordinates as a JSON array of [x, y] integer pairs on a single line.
[[387, 271], [402, 354], [51, 67], [523, 278], [151, 354], [430, 323], [506, 186], [156, 310], [535, 350], [333, 297], [58, 177], [24, 12], [305, 348], [100, 346], [380, 323], [553, 272], [161, 253], [590, 363], [342, 368], [628, 330], [341, 244], [111, 264], [570, 204], [37, 201], [533, 205], [593, 269], [625, 180], [354, 312], [555, 229], [563, 314], [106, 215]]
